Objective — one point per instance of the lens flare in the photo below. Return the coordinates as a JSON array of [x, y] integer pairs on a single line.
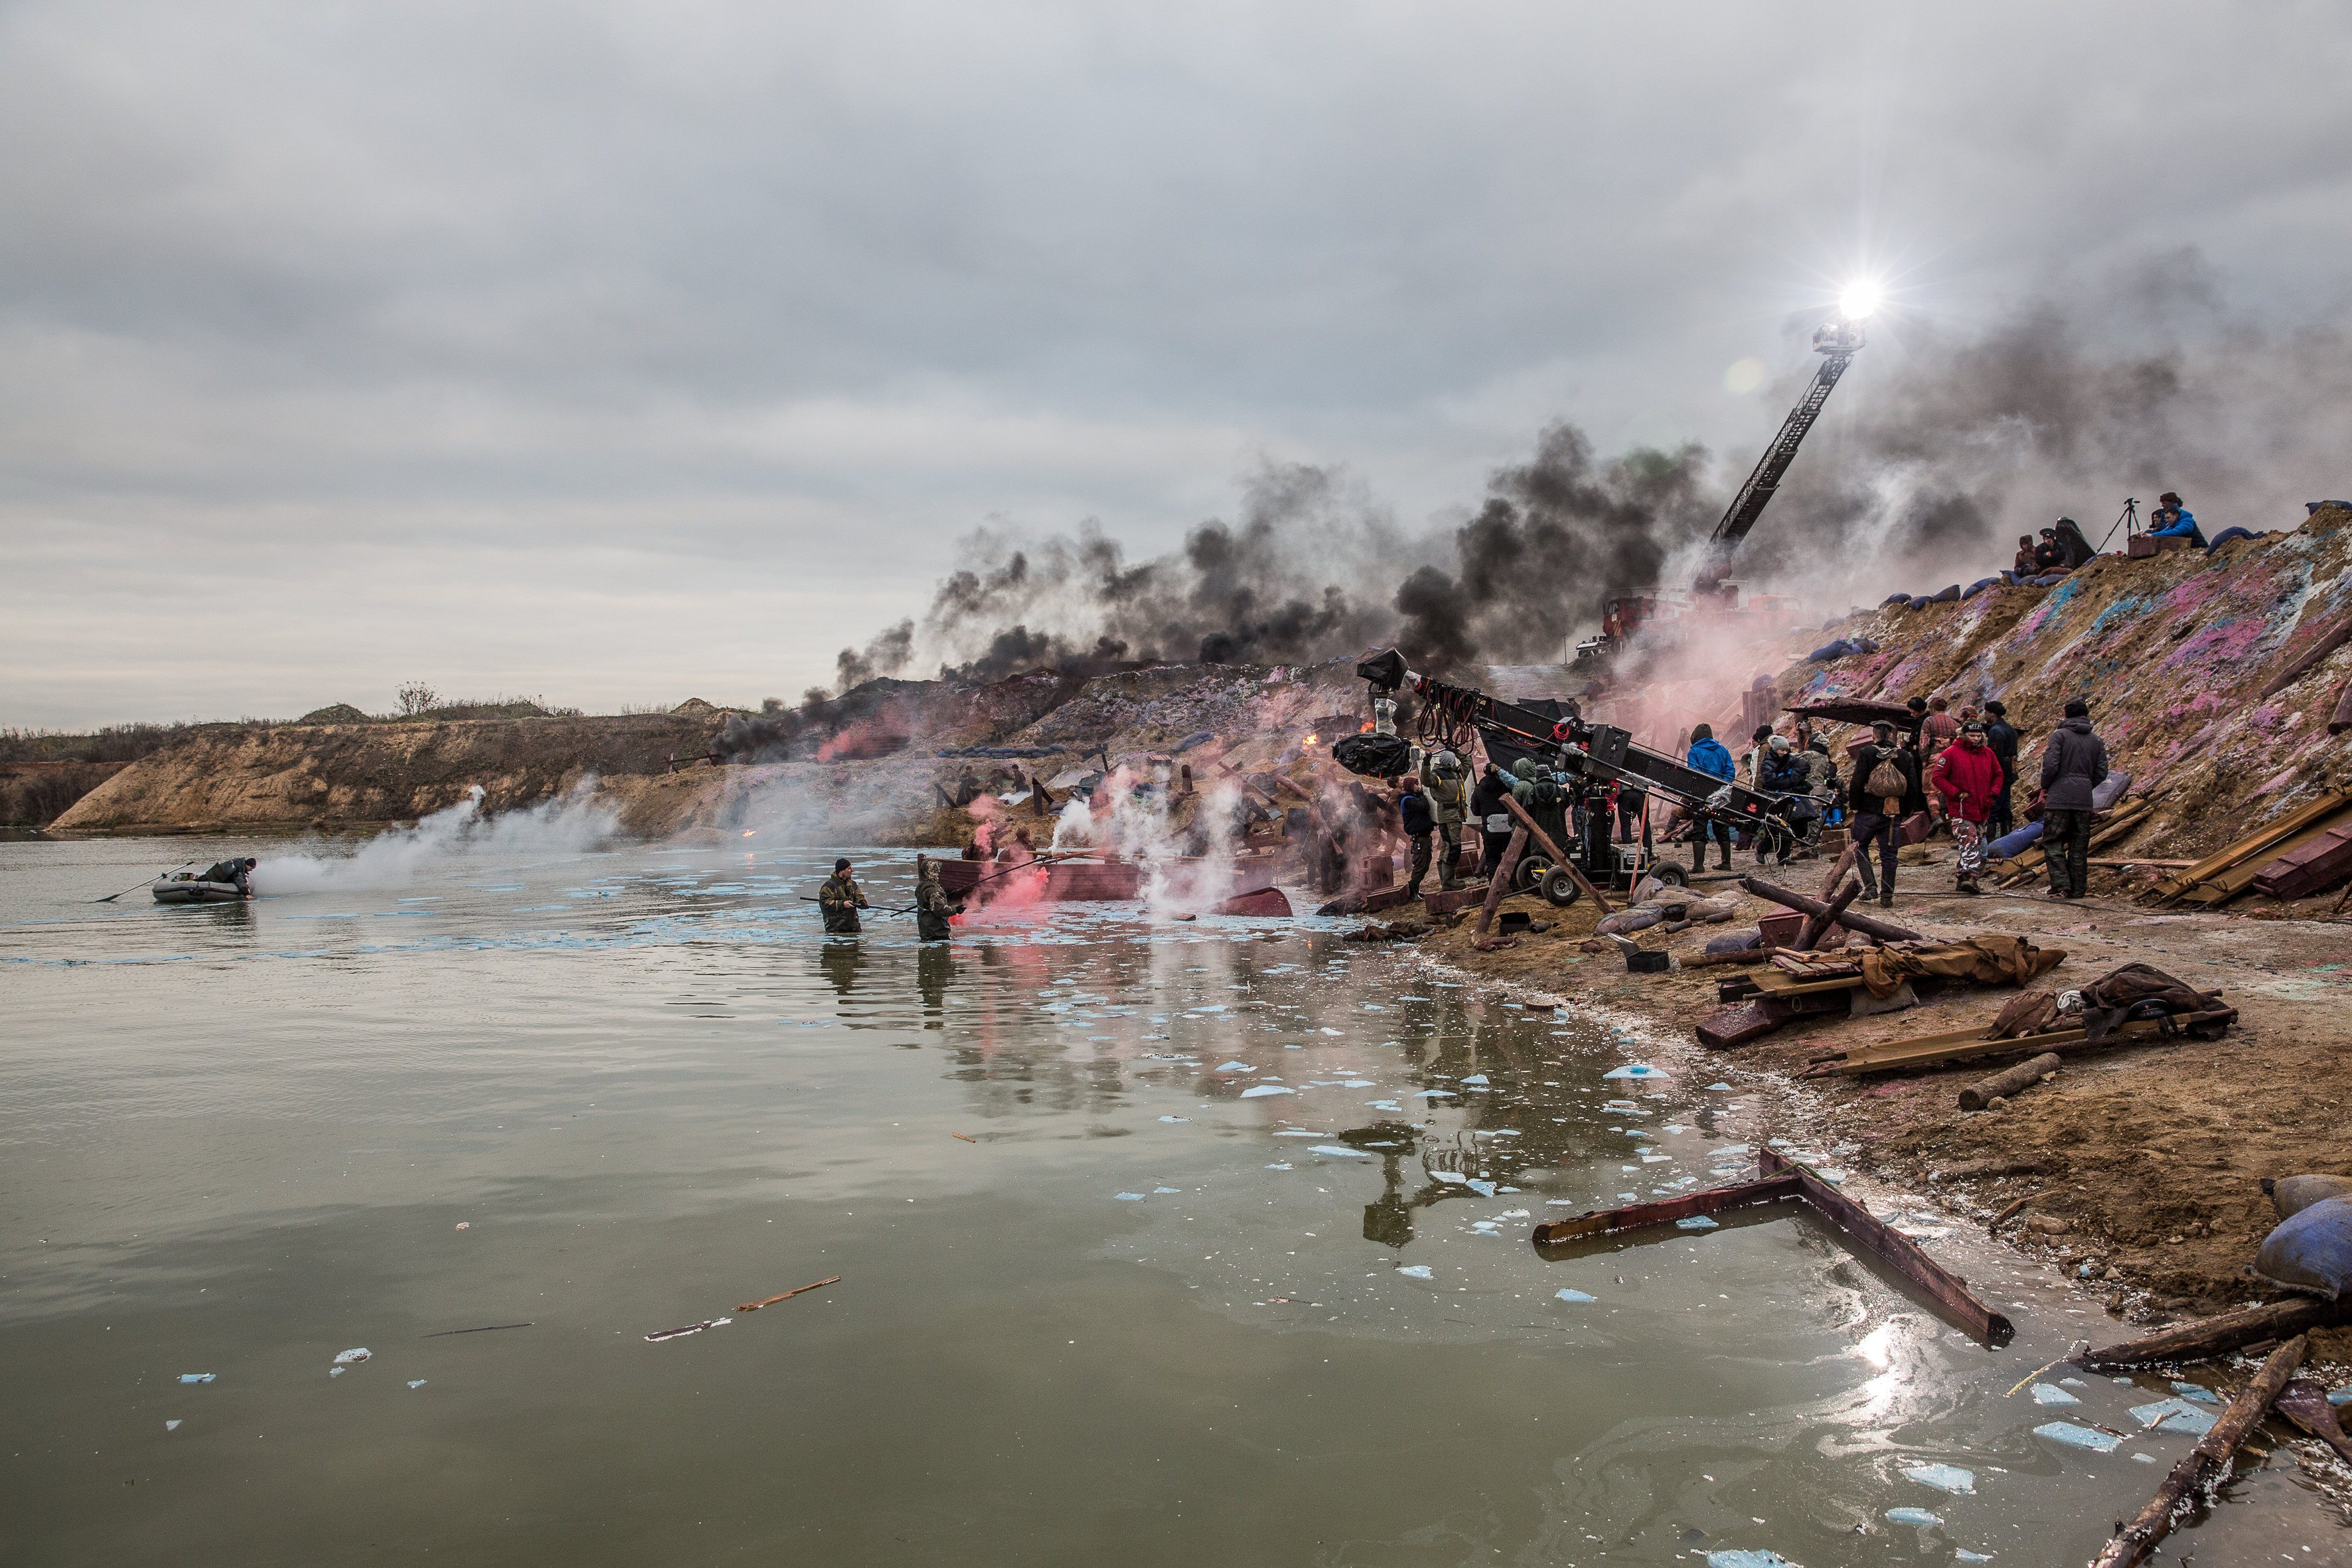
[[1860, 298]]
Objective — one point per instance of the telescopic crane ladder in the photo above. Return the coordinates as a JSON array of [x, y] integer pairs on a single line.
[[1837, 343]]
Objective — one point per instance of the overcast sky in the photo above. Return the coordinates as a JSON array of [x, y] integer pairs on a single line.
[[626, 353]]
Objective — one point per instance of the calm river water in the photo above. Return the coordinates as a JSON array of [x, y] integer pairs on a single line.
[[1158, 1242]]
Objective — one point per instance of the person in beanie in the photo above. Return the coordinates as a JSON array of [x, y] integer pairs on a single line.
[[2000, 738], [1884, 774], [840, 900], [1412, 812], [1441, 787], [2073, 763], [1968, 776]]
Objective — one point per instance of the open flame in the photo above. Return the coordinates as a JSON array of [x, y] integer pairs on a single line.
[[1312, 739]]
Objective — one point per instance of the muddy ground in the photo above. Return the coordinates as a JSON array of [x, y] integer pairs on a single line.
[[2151, 1155]]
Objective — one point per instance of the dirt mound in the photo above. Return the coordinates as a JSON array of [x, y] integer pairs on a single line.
[[291, 776], [334, 714]]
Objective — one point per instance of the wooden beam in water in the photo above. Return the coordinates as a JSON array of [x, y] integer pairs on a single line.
[[1897, 1251], [1636, 1217]]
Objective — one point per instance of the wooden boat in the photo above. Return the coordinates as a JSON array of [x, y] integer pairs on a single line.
[[1108, 881]]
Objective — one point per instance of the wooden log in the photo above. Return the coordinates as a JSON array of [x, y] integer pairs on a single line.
[[1500, 882], [2340, 719], [1897, 1251], [1634, 1216], [1810, 936], [1558, 860], [2219, 1336], [2001, 1085], [2208, 1462], [1837, 872], [1883, 930], [2304, 662], [1931, 1050]]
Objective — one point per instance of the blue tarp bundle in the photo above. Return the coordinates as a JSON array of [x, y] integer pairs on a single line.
[[1921, 602], [1979, 586], [2010, 845], [1948, 596], [1895, 599], [2310, 1251], [1864, 644], [1837, 650]]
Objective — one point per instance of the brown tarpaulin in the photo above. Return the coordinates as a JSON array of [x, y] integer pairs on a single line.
[[1989, 960]]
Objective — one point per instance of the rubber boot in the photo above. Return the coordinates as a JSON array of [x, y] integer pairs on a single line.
[[1726, 863], [1698, 854], [1886, 895]]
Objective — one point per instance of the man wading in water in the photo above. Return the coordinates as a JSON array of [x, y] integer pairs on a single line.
[[932, 909], [840, 900]]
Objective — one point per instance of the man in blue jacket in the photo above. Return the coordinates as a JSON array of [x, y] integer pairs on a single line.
[[2170, 520], [1707, 756]]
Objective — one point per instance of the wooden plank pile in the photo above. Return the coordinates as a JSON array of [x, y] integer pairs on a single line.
[[1959, 1045], [2226, 873]]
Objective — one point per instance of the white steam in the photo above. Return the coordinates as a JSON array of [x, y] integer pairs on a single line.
[[570, 825]]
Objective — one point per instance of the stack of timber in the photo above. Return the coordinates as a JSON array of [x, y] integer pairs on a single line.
[[2222, 876], [1961, 1044], [2031, 862]]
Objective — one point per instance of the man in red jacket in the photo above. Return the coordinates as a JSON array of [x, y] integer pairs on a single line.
[[1969, 778]]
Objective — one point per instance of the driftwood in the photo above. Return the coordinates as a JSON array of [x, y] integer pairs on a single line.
[[1500, 883], [2304, 1402], [1884, 931], [1817, 926], [2207, 1463], [2002, 1219], [1558, 860], [2217, 1336], [1896, 1250], [796, 1290], [2001, 1085], [1635, 1216]]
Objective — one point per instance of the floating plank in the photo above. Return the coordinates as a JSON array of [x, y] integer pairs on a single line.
[[1897, 1251], [1636, 1217]]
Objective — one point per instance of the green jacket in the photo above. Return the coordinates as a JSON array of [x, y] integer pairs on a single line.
[[1446, 796]]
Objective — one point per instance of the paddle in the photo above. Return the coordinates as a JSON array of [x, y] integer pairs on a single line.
[[136, 885]]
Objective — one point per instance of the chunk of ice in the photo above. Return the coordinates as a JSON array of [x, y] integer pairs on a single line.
[[2051, 1394], [1914, 1516], [1574, 1296], [2075, 1436], [1944, 1477], [1415, 1271]]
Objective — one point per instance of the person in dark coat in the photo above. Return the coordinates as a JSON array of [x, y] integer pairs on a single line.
[[2077, 549], [1413, 811], [2049, 554], [2024, 566], [840, 899], [1493, 820], [2073, 763], [1631, 806], [1867, 807], [238, 874], [2003, 737]]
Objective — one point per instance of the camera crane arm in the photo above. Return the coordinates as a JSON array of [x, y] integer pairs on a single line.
[[1602, 753]]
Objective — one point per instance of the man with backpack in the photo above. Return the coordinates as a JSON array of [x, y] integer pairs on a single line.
[[1884, 774], [1968, 776], [2073, 763], [1494, 822]]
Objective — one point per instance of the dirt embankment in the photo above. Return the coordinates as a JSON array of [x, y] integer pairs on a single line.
[[294, 775]]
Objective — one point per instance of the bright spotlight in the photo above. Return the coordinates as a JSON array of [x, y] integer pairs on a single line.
[[1858, 300]]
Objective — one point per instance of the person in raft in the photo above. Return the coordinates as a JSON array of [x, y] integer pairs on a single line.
[[238, 874], [1968, 776], [840, 900], [933, 908]]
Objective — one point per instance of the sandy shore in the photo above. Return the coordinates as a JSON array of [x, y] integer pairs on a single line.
[[2143, 1162]]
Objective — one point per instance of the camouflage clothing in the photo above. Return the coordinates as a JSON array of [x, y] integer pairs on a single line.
[[841, 898]]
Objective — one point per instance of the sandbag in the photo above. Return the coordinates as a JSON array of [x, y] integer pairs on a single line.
[[1979, 585], [1374, 755], [1864, 644], [1823, 655], [1625, 923], [2295, 1194], [2009, 846], [2110, 791], [2311, 1250], [1710, 911], [1736, 941], [1945, 595], [1921, 602], [1894, 599]]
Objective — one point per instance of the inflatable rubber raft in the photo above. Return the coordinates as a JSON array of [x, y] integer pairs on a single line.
[[174, 890]]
